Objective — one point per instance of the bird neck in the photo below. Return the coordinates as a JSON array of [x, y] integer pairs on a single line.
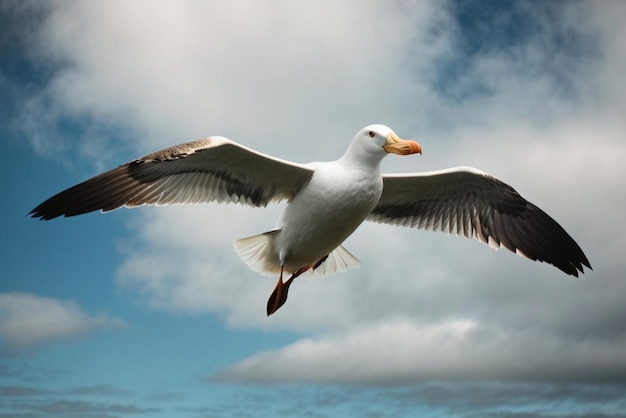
[[360, 157]]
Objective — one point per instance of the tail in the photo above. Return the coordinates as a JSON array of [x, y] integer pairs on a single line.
[[338, 261], [256, 252]]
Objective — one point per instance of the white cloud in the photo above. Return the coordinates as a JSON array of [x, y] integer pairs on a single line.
[[249, 70], [28, 321], [404, 351], [297, 83]]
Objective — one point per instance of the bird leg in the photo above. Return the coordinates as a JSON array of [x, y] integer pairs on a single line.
[[276, 299], [279, 295], [319, 263]]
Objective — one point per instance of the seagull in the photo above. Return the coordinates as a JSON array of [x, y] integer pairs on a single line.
[[327, 201]]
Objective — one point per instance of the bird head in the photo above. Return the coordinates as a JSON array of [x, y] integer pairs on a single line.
[[376, 141]]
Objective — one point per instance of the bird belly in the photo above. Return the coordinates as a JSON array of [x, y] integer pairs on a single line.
[[320, 218]]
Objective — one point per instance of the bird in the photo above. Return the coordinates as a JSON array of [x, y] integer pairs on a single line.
[[326, 202]]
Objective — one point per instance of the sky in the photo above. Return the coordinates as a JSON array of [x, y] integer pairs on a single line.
[[149, 312]]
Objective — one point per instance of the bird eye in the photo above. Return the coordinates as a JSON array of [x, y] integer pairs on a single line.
[[372, 134]]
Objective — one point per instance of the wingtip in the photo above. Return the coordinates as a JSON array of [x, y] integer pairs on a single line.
[[41, 215], [35, 214], [576, 268]]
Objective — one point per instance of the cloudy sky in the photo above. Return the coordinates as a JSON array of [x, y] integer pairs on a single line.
[[149, 312]]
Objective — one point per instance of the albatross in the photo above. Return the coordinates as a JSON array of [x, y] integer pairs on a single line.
[[327, 201]]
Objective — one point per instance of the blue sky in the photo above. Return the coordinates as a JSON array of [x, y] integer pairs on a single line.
[[148, 312]]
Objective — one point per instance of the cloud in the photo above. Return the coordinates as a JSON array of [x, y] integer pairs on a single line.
[[19, 391], [28, 321], [64, 407], [98, 390], [497, 399], [545, 115], [399, 352], [33, 391], [223, 80]]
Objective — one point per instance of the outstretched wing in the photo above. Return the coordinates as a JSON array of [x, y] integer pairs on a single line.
[[466, 201], [210, 169]]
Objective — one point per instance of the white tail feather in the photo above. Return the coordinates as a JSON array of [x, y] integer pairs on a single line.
[[255, 251], [339, 260]]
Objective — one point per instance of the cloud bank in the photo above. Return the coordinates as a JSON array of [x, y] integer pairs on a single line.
[[403, 352]]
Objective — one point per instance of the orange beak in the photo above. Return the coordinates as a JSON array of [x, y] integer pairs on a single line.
[[396, 145]]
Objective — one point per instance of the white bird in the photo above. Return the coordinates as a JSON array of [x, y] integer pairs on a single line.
[[327, 202]]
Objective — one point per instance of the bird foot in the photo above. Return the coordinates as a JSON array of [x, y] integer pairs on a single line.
[[279, 295]]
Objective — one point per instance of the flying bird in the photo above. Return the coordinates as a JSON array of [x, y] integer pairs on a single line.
[[327, 201]]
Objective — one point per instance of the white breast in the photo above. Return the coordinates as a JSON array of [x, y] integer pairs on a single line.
[[324, 213]]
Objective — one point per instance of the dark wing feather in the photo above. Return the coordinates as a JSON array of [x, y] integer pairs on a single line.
[[466, 201], [211, 169]]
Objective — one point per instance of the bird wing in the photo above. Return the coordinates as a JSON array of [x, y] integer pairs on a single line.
[[466, 201], [210, 169]]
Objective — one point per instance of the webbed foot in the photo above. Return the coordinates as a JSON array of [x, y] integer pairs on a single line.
[[279, 295]]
